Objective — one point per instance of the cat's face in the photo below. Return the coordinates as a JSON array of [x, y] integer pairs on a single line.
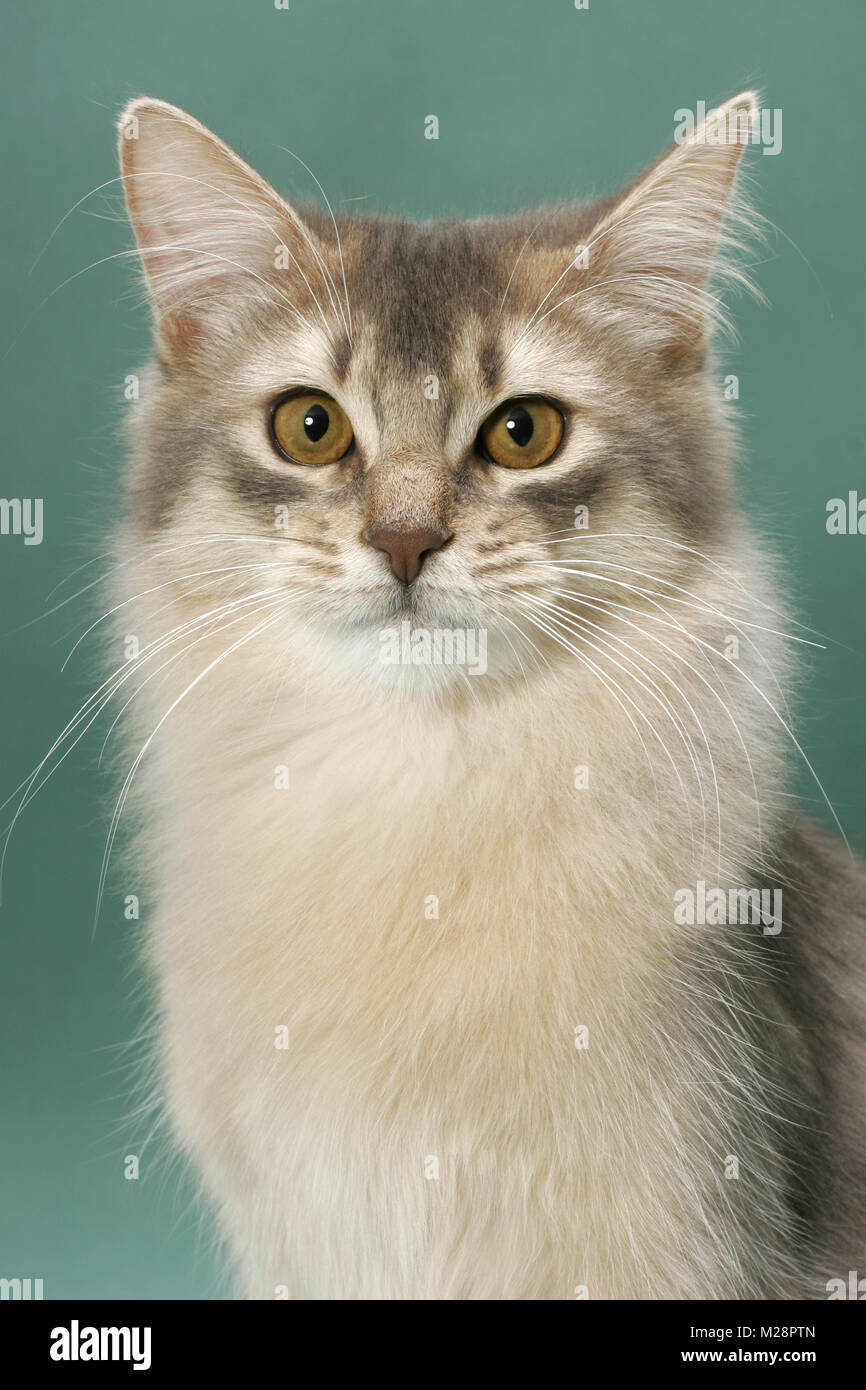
[[440, 426]]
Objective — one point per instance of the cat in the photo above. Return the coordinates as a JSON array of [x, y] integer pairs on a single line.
[[455, 996]]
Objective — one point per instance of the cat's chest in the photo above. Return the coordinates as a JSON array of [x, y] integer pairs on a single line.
[[376, 888], [448, 957]]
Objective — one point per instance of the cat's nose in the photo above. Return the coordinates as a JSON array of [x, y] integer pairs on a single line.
[[406, 549]]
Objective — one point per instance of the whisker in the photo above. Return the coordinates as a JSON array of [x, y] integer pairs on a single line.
[[520, 633], [738, 669], [703, 605], [607, 682], [724, 571], [606, 640], [678, 656], [664, 705], [144, 559], [118, 810], [178, 579], [98, 701], [709, 648], [701, 297], [138, 252], [348, 325], [184, 651], [517, 263], [738, 624]]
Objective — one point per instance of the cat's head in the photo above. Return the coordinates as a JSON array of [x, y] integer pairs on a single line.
[[362, 426]]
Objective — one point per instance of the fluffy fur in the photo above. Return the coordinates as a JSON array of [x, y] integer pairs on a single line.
[[431, 907]]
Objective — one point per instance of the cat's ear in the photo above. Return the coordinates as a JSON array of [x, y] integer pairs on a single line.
[[672, 240], [205, 222]]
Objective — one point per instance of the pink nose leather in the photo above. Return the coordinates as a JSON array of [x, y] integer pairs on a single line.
[[406, 549]]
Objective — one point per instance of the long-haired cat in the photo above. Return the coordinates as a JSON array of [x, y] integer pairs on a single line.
[[491, 959]]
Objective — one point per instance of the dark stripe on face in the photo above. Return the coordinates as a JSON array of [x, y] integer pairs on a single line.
[[416, 284], [555, 500], [173, 451], [683, 491], [259, 488], [342, 357], [490, 362]]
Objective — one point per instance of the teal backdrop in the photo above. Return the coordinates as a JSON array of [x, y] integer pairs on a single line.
[[536, 101]]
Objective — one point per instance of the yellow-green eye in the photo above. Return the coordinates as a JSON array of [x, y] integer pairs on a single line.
[[311, 428], [522, 433]]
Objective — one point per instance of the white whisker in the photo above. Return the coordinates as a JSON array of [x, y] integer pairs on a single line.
[[348, 324], [121, 801]]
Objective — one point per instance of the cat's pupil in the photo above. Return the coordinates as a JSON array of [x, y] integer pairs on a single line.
[[519, 426], [316, 422]]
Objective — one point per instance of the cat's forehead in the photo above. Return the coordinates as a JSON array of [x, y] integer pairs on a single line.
[[436, 307], [427, 329], [415, 287]]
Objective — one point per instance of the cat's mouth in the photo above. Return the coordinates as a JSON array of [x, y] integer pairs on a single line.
[[407, 608], [422, 610]]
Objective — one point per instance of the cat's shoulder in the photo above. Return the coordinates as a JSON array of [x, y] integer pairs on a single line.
[[820, 952], [825, 881]]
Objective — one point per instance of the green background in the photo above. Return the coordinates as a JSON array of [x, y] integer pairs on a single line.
[[536, 101]]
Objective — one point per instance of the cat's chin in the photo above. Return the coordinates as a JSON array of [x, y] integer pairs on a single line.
[[418, 647]]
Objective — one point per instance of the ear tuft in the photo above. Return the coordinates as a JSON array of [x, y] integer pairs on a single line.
[[206, 223], [675, 239]]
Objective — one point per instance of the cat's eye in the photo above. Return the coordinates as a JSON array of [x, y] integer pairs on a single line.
[[522, 433], [310, 428]]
